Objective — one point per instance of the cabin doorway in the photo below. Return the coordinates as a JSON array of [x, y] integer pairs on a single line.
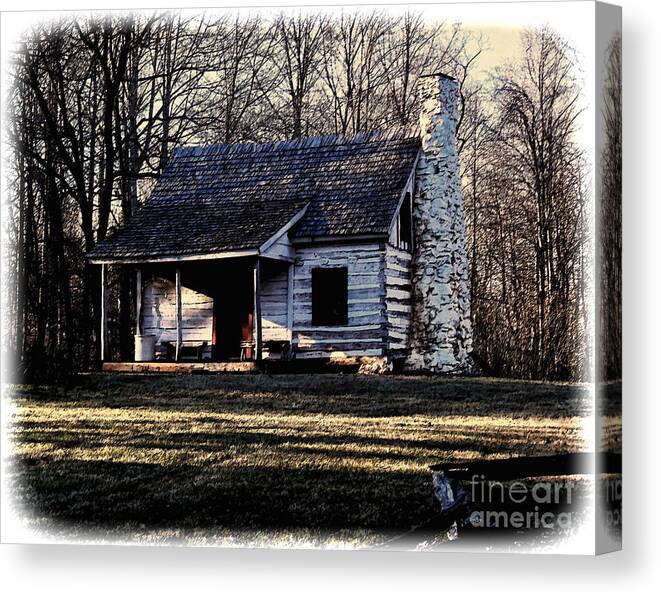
[[233, 316]]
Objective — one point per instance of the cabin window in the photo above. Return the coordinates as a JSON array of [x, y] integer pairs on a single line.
[[329, 296], [405, 235]]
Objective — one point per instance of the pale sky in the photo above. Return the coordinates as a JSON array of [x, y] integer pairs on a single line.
[[499, 22]]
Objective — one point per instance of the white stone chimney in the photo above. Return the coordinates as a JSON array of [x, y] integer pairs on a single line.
[[441, 332]]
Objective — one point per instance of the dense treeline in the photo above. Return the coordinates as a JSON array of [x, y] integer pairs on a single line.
[[97, 106], [610, 222], [526, 196]]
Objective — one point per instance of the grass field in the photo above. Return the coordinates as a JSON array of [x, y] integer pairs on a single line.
[[295, 460]]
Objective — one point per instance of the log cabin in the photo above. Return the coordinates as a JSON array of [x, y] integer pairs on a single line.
[[316, 249]]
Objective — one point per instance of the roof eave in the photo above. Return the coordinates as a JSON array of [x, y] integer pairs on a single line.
[[173, 258], [205, 256], [334, 239], [278, 234]]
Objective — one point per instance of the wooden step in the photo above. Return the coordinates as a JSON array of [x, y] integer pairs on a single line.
[[178, 367]]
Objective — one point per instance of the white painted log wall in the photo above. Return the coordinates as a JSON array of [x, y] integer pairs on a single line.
[[364, 334], [273, 294], [159, 312], [398, 299], [378, 314]]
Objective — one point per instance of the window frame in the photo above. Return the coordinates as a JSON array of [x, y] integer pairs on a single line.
[[406, 206], [327, 318]]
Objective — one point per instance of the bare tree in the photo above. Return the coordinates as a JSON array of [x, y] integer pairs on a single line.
[[407, 51], [610, 225], [243, 74], [354, 75], [538, 105], [298, 58]]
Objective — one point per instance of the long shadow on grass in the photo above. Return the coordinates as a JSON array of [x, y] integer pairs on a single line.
[[325, 393], [107, 495], [249, 494], [136, 436]]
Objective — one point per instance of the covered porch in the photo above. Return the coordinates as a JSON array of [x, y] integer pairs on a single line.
[[205, 314]]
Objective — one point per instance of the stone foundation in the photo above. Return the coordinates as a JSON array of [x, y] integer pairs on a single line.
[[375, 365]]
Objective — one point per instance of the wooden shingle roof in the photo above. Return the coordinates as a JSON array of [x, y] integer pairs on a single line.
[[227, 198]]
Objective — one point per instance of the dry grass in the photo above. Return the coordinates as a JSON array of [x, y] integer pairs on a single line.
[[291, 459]]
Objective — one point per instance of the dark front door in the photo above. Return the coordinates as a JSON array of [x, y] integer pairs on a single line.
[[233, 306]]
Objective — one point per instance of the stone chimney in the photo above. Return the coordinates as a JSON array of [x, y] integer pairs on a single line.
[[441, 332]]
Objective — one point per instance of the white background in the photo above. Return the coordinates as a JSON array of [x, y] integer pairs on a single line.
[[108, 569]]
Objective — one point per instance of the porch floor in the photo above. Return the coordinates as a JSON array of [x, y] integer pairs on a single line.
[[179, 367]]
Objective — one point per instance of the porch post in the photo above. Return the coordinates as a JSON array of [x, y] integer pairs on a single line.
[[179, 327], [257, 313], [104, 314], [290, 301], [138, 300]]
